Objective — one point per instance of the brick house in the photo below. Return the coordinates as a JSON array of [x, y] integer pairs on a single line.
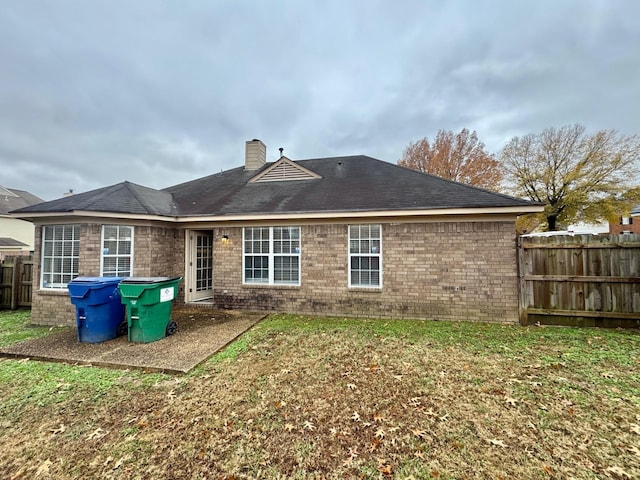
[[349, 236], [627, 224]]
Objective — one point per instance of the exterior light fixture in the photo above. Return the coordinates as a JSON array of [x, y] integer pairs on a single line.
[[225, 238]]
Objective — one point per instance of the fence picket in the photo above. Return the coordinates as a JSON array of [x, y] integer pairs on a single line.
[[580, 280], [15, 282]]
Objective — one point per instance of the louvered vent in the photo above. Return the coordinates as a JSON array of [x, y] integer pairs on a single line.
[[284, 170]]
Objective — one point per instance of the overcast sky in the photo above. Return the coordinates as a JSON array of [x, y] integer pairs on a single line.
[[160, 92]]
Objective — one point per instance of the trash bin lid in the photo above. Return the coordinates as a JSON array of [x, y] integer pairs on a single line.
[[97, 280], [149, 279]]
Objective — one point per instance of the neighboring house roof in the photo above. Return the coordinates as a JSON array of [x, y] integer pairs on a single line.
[[11, 242], [336, 184], [11, 199], [635, 211], [125, 197]]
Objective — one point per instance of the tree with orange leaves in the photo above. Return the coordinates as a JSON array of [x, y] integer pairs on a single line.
[[455, 156]]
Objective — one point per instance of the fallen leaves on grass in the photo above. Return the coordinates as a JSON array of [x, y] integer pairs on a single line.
[[97, 434], [385, 469], [496, 442], [44, 467], [617, 472], [60, 429], [407, 411]]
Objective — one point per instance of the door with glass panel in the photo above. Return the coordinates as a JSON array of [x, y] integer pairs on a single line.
[[201, 265]]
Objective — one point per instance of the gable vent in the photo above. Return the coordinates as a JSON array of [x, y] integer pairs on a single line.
[[283, 170]]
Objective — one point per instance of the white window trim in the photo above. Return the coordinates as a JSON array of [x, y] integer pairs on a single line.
[[379, 255], [42, 257], [117, 256], [271, 257]]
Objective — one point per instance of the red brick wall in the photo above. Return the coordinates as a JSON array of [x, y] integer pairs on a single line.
[[445, 271], [618, 228]]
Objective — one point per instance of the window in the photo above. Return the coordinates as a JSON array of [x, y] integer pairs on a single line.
[[117, 251], [204, 262], [60, 254], [272, 255], [365, 257]]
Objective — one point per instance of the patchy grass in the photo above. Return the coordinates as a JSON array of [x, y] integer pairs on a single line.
[[303, 397], [14, 327]]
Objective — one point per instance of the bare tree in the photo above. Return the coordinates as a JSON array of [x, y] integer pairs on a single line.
[[454, 156], [578, 176]]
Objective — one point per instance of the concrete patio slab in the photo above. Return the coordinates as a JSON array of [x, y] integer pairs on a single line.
[[201, 333]]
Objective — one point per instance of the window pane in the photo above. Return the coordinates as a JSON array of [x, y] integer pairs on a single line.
[[279, 260], [286, 269], [60, 255], [365, 253], [124, 247], [110, 232], [256, 269], [117, 250]]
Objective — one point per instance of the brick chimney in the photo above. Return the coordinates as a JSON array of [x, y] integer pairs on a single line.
[[255, 155]]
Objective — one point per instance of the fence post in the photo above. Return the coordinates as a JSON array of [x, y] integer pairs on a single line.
[[15, 283], [522, 287]]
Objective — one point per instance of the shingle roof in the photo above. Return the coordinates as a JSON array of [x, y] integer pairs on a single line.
[[346, 184], [635, 211], [125, 197], [356, 183], [11, 199], [11, 242]]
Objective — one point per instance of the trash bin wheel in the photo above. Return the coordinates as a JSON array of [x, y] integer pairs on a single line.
[[171, 328], [123, 328]]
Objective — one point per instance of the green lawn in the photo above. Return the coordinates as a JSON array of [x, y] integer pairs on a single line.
[[306, 397], [14, 327]]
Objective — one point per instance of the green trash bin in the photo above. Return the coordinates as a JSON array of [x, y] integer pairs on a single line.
[[148, 305]]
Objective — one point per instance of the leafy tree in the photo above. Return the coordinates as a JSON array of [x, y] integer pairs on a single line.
[[454, 156], [578, 176]]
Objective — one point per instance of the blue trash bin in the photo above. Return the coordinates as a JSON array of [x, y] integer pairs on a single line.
[[100, 315]]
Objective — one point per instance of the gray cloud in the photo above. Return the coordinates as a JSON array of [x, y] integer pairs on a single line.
[[93, 93]]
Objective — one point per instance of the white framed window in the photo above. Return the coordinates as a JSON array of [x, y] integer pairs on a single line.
[[60, 255], [117, 251], [271, 255], [365, 256]]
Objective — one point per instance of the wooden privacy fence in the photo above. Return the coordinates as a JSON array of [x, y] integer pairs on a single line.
[[583, 280], [15, 282]]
